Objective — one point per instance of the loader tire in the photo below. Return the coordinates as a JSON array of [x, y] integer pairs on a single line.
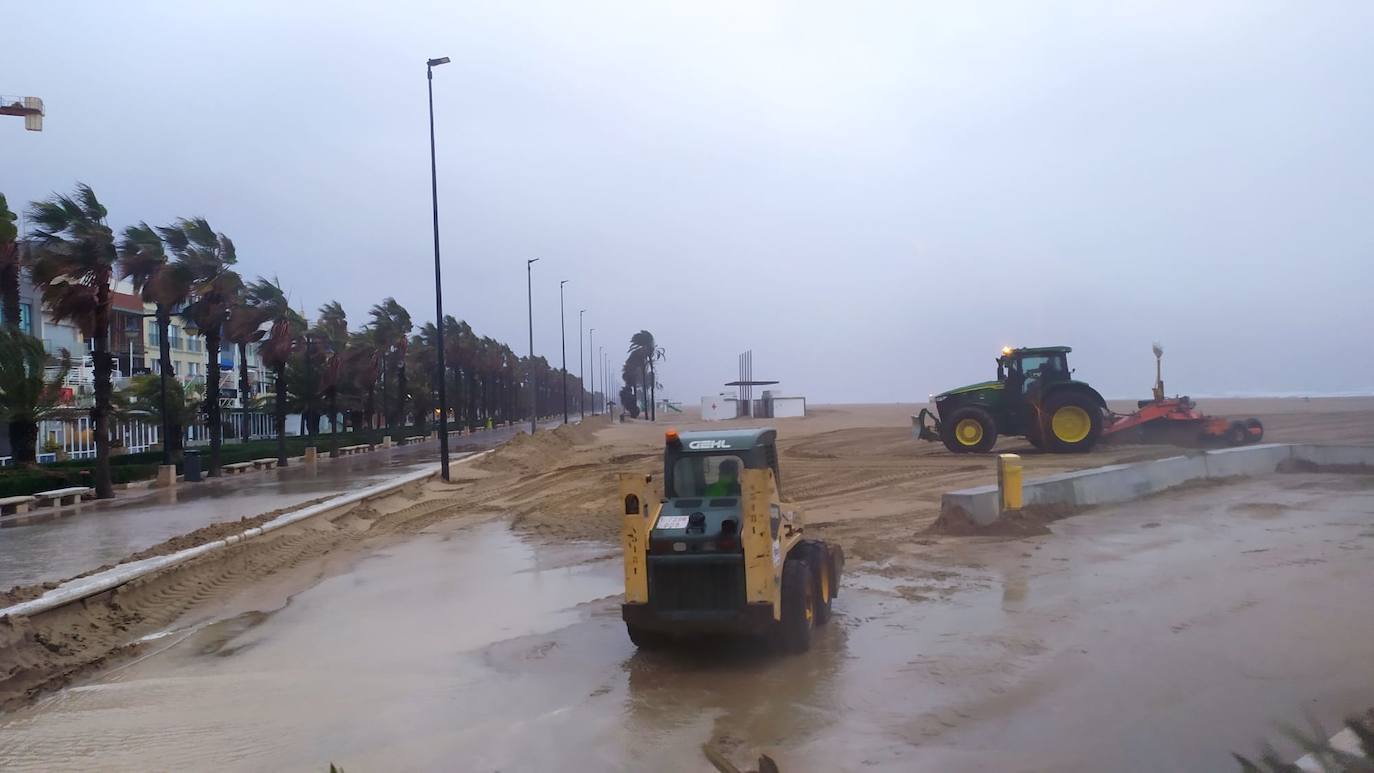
[[823, 576], [644, 639], [1255, 430], [969, 430], [793, 632], [1071, 422]]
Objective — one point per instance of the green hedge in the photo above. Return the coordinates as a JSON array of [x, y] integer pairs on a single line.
[[14, 483], [127, 468]]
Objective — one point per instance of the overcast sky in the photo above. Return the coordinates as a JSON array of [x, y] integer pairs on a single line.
[[874, 197]]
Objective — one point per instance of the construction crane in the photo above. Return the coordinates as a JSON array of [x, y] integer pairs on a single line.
[[29, 107]]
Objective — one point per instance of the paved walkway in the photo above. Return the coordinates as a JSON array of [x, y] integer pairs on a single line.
[[71, 544]]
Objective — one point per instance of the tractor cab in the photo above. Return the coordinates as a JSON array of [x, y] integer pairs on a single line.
[[1031, 367]]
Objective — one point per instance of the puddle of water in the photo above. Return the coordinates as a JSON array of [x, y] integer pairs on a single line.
[[1106, 647]]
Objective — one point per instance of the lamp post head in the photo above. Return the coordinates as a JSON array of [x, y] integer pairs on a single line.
[[563, 282], [437, 62], [531, 261]]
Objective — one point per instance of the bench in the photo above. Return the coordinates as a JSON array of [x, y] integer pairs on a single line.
[[235, 469], [264, 464], [64, 496], [358, 449], [14, 505]]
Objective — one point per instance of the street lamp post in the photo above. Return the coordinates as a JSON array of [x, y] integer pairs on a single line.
[[591, 349], [534, 377], [563, 342], [438, 287], [581, 374]]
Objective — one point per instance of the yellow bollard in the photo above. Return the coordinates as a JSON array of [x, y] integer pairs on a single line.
[[1009, 481]]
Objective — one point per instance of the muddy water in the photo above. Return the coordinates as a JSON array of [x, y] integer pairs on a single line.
[[1158, 636]]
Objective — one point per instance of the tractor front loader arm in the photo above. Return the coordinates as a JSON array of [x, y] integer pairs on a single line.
[[925, 426]]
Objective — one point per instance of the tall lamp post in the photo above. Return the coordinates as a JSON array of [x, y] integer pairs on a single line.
[[591, 351], [534, 377], [438, 287], [563, 341], [581, 374]]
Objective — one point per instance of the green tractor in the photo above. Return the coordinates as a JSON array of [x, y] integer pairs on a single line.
[[1034, 395]]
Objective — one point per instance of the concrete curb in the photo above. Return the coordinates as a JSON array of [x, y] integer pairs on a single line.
[[85, 587], [1123, 482]]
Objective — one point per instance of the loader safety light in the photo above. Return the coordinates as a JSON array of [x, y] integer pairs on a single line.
[[672, 438], [1006, 350]]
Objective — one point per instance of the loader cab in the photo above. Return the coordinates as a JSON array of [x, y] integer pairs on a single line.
[[700, 464]]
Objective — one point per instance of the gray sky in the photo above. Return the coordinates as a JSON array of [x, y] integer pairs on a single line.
[[873, 197]]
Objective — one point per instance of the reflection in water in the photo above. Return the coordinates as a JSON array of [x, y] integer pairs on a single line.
[[757, 698], [1015, 586]]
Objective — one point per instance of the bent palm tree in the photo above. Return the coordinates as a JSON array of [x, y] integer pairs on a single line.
[[207, 256], [27, 396], [167, 286], [391, 325], [73, 263], [332, 327], [275, 350], [242, 327], [646, 352]]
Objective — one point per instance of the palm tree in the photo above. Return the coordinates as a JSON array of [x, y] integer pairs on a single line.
[[421, 377], [361, 368], [646, 353], [9, 266], [26, 396], [242, 327], [332, 328], [277, 347], [207, 256], [73, 263], [167, 286], [144, 397], [391, 325]]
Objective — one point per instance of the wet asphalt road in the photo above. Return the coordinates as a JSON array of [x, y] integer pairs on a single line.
[[76, 542], [1159, 635]]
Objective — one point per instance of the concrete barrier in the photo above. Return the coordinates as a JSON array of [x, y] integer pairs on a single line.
[[1335, 456], [1124, 482], [1246, 460]]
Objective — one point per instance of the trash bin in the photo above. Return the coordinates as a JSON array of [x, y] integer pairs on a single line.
[[190, 466]]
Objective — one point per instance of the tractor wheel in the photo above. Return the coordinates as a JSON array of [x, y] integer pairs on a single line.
[[1071, 423], [837, 569], [1236, 434], [1255, 430], [1034, 435], [798, 606], [970, 430], [824, 576], [645, 639]]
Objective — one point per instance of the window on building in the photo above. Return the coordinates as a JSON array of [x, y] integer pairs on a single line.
[[26, 318]]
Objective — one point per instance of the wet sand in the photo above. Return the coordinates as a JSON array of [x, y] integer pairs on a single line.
[[1157, 636], [545, 507]]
